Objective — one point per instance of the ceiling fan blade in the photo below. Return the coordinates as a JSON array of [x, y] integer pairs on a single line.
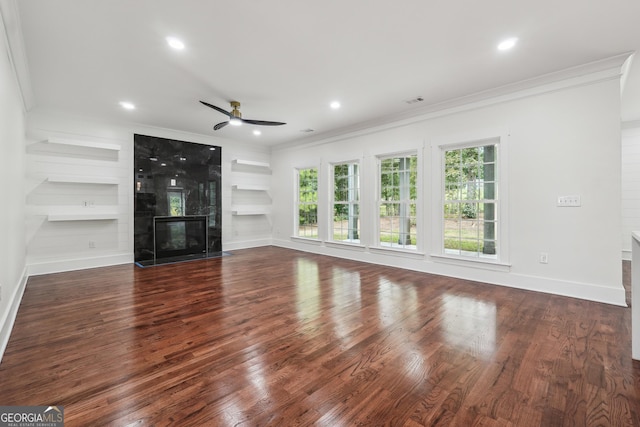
[[262, 122], [220, 125], [216, 108]]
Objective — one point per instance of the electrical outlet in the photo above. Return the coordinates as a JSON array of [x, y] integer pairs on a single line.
[[92, 244], [544, 258], [569, 201]]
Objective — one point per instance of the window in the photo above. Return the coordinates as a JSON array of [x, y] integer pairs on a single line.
[[346, 203], [307, 203], [397, 203], [470, 221], [175, 199]]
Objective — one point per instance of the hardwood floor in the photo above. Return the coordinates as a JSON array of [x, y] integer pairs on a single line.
[[271, 336]]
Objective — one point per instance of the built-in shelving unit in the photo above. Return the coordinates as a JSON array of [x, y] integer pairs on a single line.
[[249, 187], [250, 199], [82, 216], [78, 179], [87, 144], [250, 210], [252, 167], [253, 163], [84, 210]]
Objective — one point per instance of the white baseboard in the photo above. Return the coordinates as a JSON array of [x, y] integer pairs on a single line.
[[7, 321], [585, 291], [245, 244], [58, 266], [626, 255]]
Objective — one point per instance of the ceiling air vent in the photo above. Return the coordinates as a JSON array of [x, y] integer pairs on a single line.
[[414, 100]]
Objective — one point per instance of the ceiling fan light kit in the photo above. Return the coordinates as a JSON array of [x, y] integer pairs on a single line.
[[235, 117]]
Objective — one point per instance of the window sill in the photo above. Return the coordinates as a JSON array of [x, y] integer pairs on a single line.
[[487, 264]]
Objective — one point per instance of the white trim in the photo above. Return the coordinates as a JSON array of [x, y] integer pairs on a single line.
[[244, 244], [9, 318], [306, 240], [585, 291], [10, 25], [464, 140], [296, 199], [345, 245], [397, 251], [47, 267], [488, 264], [631, 125], [375, 241], [594, 72], [331, 190]]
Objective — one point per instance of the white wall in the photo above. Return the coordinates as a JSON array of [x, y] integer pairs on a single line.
[[12, 171], [630, 185], [565, 141], [59, 246]]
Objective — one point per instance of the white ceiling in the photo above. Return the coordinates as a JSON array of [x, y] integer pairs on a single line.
[[286, 60]]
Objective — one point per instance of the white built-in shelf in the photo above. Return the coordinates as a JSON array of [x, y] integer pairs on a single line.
[[250, 187], [251, 163], [79, 179], [81, 217], [250, 210], [82, 214], [88, 144]]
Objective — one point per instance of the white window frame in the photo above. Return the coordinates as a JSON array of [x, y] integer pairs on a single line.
[[377, 244], [475, 139], [351, 202], [296, 231]]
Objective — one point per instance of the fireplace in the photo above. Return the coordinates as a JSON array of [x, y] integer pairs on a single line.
[[177, 190], [180, 237]]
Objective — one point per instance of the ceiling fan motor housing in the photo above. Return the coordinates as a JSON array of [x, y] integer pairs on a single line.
[[235, 112]]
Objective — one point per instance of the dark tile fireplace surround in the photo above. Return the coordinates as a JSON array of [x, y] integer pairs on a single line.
[[177, 200]]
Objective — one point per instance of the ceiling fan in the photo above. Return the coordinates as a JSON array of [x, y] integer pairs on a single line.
[[235, 117]]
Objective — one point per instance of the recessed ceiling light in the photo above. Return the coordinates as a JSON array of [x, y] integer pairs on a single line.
[[127, 105], [335, 105], [175, 43], [257, 132], [508, 43]]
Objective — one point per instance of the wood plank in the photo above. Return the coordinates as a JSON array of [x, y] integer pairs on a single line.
[[271, 336]]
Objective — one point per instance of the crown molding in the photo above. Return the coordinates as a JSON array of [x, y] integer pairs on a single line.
[[10, 26], [631, 124], [593, 72]]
